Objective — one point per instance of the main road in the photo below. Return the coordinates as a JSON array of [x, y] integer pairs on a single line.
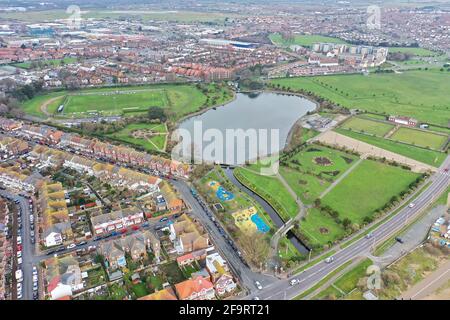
[[282, 290]]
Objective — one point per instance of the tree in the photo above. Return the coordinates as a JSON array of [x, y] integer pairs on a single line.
[[346, 223], [255, 246], [157, 113]]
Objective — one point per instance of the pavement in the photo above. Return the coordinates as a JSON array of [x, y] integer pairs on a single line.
[[282, 290]]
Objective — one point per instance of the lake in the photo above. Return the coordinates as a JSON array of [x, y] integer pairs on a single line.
[[251, 126]]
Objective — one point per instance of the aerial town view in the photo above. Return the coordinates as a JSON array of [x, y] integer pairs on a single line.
[[225, 150]]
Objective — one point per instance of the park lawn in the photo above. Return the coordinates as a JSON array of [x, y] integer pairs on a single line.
[[125, 135], [302, 40], [420, 52], [320, 229], [286, 250], [271, 189], [309, 179], [159, 141], [431, 157], [377, 128], [420, 138], [367, 188], [53, 62], [307, 187], [422, 94]]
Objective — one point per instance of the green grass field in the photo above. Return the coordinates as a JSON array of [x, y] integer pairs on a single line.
[[53, 62], [367, 126], [179, 100], [302, 40], [420, 138], [420, 52], [271, 189], [367, 188], [431, 157], [154, 143], [114, 102], [309, 179], [419, 94], [320, 229]]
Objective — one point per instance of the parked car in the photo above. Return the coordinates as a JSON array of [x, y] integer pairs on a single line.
[[35, 272], [163, 219], [71, 246], [81, 243], [398, 239], [19, 240]]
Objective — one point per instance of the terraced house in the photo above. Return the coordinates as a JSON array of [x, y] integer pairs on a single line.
[[117, 220], [12, 177], [12, 146], [56, 222]]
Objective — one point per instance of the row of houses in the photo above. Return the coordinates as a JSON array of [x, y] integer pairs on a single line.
[[10, 146], [13, 178], [114, 174], [95, 148], [55, 215]]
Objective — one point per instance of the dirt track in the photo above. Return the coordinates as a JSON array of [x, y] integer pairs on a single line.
[[365, 149], [44, 106]]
